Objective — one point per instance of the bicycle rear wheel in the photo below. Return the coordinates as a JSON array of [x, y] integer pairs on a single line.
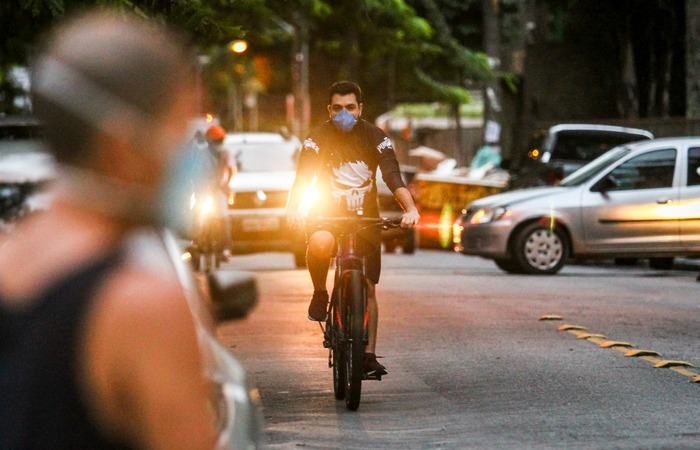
[[337, 349], [354, 299]]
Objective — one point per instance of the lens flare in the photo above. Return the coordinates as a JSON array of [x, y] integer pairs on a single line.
[[308, 198]]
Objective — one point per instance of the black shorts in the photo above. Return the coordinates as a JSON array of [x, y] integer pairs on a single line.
[[369, 245]]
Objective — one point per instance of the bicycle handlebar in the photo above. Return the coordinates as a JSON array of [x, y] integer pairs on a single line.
[[385, 222]]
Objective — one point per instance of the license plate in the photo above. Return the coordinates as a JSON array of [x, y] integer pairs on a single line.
[[260, 224]]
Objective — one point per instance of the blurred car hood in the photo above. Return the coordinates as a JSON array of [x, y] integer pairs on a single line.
[[266, 181], [519, 196]]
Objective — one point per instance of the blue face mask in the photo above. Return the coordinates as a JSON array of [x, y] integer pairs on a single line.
[[344, 121]]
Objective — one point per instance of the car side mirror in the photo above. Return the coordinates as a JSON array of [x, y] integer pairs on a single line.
[[234, 293], [607, 183]]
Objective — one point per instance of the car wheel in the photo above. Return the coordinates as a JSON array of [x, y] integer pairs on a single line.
[[661, 263], [508, 265], [540, 249]]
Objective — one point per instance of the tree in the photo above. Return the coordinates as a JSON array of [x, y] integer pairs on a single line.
[[31, 18], [396, 53]]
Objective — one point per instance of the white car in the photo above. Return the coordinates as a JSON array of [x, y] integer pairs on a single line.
[[266, 168]]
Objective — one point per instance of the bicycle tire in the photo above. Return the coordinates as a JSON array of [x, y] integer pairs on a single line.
[[355, 300], [337, 350]]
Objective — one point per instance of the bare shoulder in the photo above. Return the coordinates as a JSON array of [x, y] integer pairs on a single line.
[[137, 302], [144, 361]]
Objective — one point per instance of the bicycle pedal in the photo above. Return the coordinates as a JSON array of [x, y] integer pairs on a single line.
[[372, 377]]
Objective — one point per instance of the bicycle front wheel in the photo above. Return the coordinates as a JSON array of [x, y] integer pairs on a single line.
[[355, 300], [337, 349]]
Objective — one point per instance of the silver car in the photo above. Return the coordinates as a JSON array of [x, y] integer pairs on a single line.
[[640, 200]]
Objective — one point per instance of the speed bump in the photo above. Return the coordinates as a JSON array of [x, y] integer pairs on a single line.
[[670, 363], [589, 336], [651, 356], [639, 353], [610, 344], [567, 327], [551, 317]]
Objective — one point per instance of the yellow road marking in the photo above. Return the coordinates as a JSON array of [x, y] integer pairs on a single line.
[[637, 353], [567, 327], [609, 344], [551, 317], [588, 336], [680, 367]]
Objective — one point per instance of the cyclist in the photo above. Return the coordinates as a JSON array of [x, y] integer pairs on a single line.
[[217, 165], [224, 170], [339, 159]]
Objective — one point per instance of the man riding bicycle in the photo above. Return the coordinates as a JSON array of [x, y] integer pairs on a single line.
[[339, 159]]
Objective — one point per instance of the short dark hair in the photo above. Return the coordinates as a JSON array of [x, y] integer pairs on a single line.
[[126, 58], [345, 88]]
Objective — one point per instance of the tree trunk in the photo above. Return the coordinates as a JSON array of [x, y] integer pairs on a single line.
[[693, 58], [492, 89]]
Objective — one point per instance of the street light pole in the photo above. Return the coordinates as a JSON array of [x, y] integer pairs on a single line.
[[235, 102], [300, 76]]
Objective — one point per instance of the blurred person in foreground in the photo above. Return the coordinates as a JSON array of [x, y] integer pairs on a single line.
[[98, 347], [340, 158]]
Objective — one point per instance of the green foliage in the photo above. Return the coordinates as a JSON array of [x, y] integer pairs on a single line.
[[377, 42], [445, 92]]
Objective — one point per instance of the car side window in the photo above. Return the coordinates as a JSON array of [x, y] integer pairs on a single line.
[[651, 170], [694, 166]]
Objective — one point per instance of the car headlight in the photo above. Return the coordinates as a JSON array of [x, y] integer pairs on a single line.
[[486, 215]]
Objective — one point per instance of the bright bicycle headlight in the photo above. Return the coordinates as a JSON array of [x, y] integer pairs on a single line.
[[487, 215], [208, 205], [308, 198]]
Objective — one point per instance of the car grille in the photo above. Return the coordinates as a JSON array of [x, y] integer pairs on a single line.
[[259, 199]]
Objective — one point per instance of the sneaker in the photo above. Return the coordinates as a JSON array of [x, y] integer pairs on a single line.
[[372, 366], [318, 306]]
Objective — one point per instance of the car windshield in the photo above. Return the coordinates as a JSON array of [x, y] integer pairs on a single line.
[[586, 145], [270, 154], [594, 167]]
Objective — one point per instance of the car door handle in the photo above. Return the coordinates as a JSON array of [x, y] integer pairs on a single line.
[[664, 201]]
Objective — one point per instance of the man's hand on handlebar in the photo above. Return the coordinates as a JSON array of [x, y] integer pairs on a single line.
[[409, 219]]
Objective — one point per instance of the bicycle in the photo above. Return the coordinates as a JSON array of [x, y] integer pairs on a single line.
[[206, 247], [345, 332]]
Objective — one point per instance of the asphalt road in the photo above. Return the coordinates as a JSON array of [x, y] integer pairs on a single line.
[[472, 365]]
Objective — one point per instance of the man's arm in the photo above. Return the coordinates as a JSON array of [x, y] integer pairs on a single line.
[[410, 217], [391, 173]]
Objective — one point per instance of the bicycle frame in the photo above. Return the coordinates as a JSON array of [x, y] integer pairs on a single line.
[[345, 334]]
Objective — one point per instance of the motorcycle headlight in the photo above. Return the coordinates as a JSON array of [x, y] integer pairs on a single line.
[[486, 215]]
